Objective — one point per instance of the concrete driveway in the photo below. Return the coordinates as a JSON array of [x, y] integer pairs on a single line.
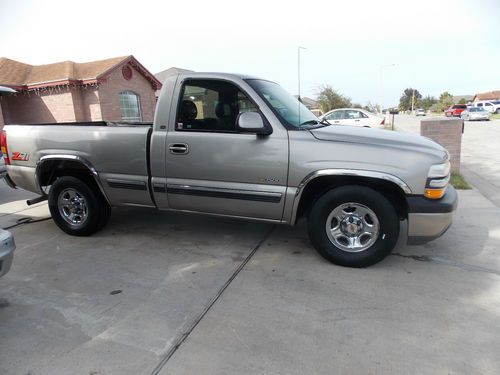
[[163, 293]]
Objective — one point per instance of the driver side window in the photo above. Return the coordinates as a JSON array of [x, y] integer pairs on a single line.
[[211, 105]]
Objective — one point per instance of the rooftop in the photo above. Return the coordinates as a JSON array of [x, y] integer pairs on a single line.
[[21, 76]]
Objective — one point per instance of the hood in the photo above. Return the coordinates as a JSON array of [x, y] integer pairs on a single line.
[[379, 137]]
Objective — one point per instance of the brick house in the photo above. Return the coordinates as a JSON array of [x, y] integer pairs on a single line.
[[492, 95], [117, 89]]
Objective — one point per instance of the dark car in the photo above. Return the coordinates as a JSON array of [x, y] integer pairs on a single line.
[[455, 110]]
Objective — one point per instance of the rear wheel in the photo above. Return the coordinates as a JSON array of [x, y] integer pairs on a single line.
[[353, 226], [76, 207]]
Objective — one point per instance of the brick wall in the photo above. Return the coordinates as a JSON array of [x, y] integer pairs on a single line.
[[448, 133], [86, 104], [54, 105], [115, 83]]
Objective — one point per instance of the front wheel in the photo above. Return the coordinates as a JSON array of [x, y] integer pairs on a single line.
[[76, 207], [353, 226]]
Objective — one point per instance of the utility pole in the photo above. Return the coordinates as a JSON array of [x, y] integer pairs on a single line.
[[412, 100]]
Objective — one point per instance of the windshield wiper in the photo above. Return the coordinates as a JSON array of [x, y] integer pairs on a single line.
[[314, 122]]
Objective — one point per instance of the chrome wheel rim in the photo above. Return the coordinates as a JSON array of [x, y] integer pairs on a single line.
[[352, 227], [73, 207]]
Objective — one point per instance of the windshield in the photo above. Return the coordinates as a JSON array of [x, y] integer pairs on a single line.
[[474, 109], [285, 106]]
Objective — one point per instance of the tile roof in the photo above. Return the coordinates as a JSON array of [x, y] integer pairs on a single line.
[[491, 95], [18, 74]]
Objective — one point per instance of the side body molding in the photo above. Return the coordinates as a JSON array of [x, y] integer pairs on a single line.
[[74, 158], [344, 172]]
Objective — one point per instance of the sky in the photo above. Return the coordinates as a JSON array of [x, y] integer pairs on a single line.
[[366, 50]]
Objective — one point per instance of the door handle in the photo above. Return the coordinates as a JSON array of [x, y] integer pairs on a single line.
[[356, 120], [178, 148]]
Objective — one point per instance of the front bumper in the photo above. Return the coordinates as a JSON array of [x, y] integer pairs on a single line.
[[428, 219], [7, 247]]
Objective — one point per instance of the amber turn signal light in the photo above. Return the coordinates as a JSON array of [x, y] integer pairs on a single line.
[[434, 193]]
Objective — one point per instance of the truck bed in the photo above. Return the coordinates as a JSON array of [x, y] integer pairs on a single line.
[[117, 150]]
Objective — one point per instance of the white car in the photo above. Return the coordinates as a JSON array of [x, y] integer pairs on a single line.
[[354, 117], [7, 247], [475, 113], [490, 106], [420, 112]]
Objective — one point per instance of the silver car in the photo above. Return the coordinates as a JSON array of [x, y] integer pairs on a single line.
[[354, 117], [475, 113], [7, 247]]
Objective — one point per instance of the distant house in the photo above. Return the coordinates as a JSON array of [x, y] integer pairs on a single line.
[[164, 74], [491, 95], [311, 105], [462, 99], [116, 89]]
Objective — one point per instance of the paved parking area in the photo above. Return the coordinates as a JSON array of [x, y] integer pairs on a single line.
[[161, 293]]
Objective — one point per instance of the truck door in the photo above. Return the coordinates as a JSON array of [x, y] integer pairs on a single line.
[[213, 168]]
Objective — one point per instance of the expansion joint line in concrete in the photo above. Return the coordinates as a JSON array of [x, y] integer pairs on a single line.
[[212, 302]]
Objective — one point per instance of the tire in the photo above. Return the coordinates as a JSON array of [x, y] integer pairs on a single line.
[[77, 207], [372, 248]]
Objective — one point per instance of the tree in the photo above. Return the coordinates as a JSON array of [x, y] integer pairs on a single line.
[[329, 99], [445, 101], [428, 102], [462, 101], [374, 108], [408, 96]]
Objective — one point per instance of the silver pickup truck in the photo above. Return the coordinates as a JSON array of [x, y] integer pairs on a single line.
[[240, 146]]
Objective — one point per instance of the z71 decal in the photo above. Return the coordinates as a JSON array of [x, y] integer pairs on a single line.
[[20, 156]]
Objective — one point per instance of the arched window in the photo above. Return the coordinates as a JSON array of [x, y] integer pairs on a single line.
[[130, 106]]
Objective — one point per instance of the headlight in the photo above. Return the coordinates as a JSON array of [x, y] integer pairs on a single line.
[[437, 180]]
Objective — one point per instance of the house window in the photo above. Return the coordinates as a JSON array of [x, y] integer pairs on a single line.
[[130, 106]]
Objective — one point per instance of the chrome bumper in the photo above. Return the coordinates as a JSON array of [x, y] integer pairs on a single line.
[[7, 247], [429, 219]]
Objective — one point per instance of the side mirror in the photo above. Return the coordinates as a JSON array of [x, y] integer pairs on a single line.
[[252, 122]]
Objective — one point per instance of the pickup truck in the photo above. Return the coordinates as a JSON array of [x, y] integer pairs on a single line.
[[239, 146]]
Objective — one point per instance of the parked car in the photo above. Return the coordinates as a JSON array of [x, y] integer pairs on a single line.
[[475, 113], [420, 112], [354, 117], [245, 148], [7, 247], [490, 106], [455, 110]]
